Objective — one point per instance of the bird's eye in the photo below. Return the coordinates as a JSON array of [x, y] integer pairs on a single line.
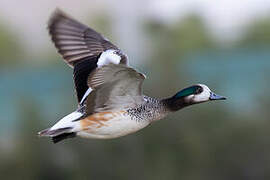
[[117, 52], [199, 90]]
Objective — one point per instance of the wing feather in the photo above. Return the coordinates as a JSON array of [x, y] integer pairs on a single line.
[[71, 35], [80, 47], [114, 87]]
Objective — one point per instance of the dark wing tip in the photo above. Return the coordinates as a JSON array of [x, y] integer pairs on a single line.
[[76, 41], [68, 33], [57, 15]]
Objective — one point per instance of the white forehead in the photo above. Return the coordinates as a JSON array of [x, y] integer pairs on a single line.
[[204, 87]]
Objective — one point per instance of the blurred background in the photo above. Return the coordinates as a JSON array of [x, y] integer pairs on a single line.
[[224, 44]]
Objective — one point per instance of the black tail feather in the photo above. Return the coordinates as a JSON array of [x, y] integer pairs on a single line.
[[63, 136]]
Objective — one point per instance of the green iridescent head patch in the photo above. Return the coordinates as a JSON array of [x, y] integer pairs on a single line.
[[188, 91]]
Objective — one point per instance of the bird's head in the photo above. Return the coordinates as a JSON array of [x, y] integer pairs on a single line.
[[193, 95]]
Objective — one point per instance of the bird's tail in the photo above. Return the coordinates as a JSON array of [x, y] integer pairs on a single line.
[[58, 135], [63, 129]]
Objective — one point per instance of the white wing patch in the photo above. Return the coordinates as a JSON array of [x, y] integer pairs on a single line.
[[89, 90], [107, 57]]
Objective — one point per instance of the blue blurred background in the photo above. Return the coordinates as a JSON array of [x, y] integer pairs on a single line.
[[224, 44]]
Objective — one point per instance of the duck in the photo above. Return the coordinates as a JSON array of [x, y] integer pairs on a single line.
[[111, 103]]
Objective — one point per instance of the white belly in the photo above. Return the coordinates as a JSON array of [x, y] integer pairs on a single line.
[[116, 126]]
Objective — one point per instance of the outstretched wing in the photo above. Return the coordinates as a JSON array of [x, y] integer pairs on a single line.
[[114, 87], [80, 47]]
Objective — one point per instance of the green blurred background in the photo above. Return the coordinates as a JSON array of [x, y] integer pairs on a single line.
[[224, 44]]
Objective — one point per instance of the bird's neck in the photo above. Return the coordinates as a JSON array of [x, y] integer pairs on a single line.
[[154, 109], [173, 104]]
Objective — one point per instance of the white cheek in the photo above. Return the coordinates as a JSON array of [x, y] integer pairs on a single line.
[[108, 57], [204, 96]]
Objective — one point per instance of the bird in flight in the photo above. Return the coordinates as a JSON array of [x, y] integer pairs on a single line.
[[109, 92]]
